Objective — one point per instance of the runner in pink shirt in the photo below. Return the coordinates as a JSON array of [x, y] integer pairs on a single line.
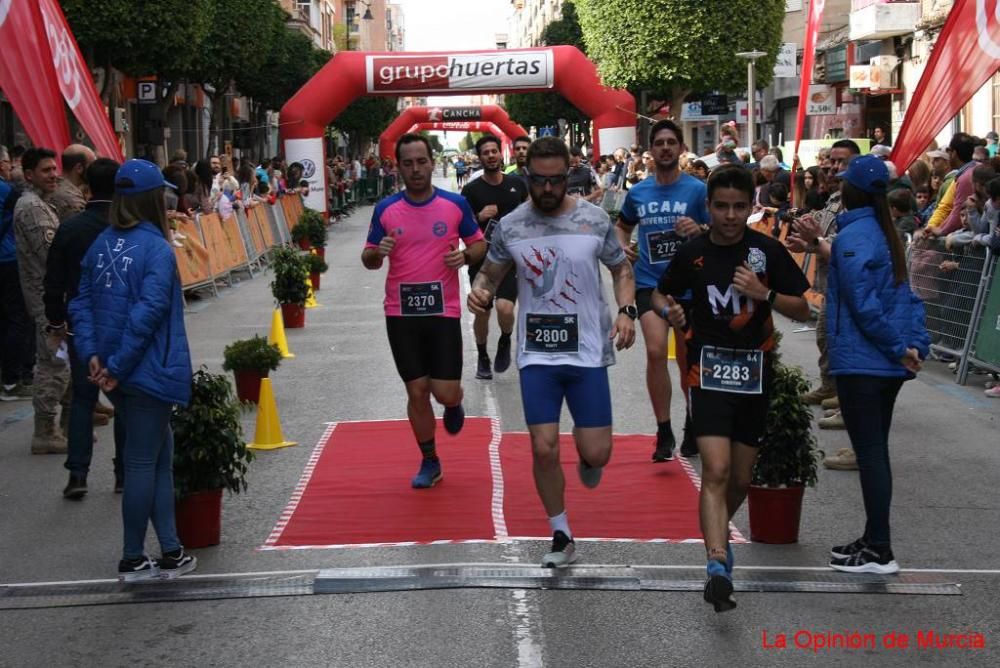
[[419, 231]]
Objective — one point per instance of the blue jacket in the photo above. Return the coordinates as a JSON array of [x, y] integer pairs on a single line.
[[870, 319], [130, 313], [8, 197]]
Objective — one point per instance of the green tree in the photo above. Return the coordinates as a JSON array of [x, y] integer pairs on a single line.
[[365, 119], [468, 142], [678, 46], [435, 141], [163, 37], [544, 109]]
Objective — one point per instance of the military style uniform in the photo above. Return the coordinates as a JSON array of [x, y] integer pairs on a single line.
[[35, 224]]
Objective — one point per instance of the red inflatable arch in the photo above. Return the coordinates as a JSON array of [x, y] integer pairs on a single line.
[[489, 113], [352, 74], [461, 126]]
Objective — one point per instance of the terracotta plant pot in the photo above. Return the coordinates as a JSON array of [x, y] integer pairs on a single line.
[[775, 513], [248, 384], [199, 518], [305, 244], [294, 315], [314, 279], [321, 251]]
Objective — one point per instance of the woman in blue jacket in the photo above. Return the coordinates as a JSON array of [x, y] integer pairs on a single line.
[[129, 323], [877, 340]]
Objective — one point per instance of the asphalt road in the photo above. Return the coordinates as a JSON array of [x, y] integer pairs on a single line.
[[946, 458]]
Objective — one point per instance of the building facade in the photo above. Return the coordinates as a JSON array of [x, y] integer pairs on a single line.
[[529, 19]]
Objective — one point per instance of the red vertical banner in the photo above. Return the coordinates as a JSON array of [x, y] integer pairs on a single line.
[[28, 78], [74, 79], [808, 55], [965, 56]]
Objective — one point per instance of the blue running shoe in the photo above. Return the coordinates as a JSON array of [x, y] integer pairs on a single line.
[[719, 586], [454, 419], [428, 475]]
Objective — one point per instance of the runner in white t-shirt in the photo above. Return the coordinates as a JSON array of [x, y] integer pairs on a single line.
[[566, 336]]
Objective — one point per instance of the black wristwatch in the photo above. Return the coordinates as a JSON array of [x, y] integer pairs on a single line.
[[771, 296], [630, 310]]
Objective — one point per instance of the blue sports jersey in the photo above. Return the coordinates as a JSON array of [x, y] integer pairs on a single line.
[[655, 209]]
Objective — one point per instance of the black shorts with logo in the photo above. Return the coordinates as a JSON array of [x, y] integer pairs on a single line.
[[507, 288], [738, 417], [426, 346]]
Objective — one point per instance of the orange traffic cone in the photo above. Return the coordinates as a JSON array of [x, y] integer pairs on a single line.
[[277, 335], [268, 434]]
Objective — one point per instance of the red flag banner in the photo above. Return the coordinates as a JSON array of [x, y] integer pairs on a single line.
[[808, 55], [965, 56], [75, 81], [28, 78]]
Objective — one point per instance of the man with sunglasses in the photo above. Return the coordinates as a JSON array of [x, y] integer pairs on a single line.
[[566, 337], [668, 209]]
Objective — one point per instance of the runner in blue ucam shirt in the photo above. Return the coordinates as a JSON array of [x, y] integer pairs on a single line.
[[669, 208]]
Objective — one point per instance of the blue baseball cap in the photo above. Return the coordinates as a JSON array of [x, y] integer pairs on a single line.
[[139, 176], [868, 173]]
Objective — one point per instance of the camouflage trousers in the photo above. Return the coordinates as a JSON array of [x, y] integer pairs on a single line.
[[51, 377], [826, 381]]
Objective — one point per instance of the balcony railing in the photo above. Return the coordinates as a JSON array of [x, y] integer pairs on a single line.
[[879, 19]]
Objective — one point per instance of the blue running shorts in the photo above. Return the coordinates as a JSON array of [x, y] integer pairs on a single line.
[[586, 390]]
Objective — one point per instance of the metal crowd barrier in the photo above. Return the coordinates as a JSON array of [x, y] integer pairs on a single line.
[[953, 284], [984, 341]]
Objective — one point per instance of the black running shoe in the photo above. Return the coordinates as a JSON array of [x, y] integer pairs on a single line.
[[177, 563], [136, 570], [502, 361], [719, 587], [76, 488], [454, 419], [689, 444], [483, 368], [845, 551], [664, 451], [868, 560]]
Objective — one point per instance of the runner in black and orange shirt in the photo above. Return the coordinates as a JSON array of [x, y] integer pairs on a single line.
[[736, 277]]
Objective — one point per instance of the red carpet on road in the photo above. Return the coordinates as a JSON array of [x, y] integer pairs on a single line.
[[356, 491], [359, 489], [636, 500]]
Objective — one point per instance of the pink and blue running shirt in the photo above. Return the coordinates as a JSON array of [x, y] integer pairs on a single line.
[[419, 283]]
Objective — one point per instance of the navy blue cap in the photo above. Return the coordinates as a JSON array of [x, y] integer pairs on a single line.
[[139, 176], [867, 173]]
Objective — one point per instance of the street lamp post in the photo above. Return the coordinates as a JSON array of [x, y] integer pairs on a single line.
[[751, 57]]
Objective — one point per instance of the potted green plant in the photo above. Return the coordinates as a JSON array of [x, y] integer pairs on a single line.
[[289, 285], [250, 360], [316, 230], [317, 266], [786, 463], [300, 234], [210, 456]]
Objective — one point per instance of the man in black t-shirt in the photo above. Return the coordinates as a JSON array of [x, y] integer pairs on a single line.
[[736, 277], [492, 196], [581, 180]]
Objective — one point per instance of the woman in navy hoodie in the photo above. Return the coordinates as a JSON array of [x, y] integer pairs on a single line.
[[876, 341], [129, 323]]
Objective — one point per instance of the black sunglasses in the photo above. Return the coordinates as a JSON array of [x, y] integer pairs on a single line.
[[539, 180]]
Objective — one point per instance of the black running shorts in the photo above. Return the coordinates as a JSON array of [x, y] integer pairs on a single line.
[[426, 346], [507, 288], [738, 417]]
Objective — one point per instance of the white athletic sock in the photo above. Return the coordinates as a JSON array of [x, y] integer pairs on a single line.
[[560, 523]]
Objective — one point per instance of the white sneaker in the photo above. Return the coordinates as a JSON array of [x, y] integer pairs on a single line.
[[563, 552]]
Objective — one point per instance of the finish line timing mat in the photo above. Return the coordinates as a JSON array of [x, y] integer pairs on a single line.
[[355, 492]]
